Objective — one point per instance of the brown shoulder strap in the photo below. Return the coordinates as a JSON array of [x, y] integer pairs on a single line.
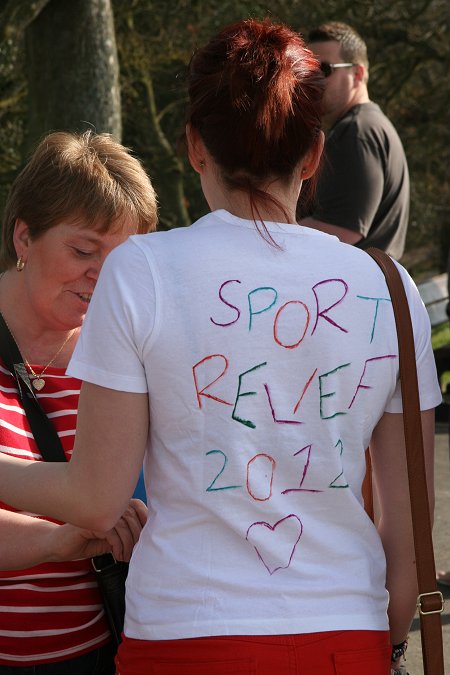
[[430, 601]]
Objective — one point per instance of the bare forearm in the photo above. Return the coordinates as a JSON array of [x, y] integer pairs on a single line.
[[395, 522], [25, 541], [94, 488], [41, 487], [401, 582]]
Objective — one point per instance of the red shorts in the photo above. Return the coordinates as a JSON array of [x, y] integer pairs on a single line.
[[329, 653]]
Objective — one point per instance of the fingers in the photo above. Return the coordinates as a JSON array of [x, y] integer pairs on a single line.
[[96, 546], [73, 543], [126, 531], [140, 509], [120, 544]]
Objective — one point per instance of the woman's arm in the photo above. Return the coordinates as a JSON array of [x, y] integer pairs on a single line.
[[27, 541], [94, 488], [394, 524]]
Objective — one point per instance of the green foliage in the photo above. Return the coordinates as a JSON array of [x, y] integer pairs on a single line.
[[409, 56], [15, 16], [440, 336], [12, 106]]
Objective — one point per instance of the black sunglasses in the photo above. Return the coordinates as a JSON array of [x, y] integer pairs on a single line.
[[329, 68]]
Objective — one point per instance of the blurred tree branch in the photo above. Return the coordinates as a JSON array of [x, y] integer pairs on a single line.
[[17, 16], [409, 55]]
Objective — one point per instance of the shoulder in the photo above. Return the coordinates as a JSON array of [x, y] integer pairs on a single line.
[[367, 132], [371, 124], [167, 239], [135, 252], [181, 243], [361, 120]]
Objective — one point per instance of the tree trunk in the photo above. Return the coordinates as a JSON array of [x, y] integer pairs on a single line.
[[73, 70], [169, 179]]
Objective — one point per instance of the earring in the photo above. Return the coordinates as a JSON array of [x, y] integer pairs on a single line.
[[20, 264], [202, 163]]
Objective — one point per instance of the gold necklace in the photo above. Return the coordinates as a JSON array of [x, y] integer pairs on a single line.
[[37, 380]]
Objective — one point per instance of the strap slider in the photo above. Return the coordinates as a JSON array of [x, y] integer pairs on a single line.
[[434, 609]]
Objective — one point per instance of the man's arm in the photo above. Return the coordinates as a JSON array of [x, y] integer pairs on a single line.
[[342, 233]]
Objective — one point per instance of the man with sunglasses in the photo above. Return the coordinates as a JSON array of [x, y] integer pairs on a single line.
[[362, 193]]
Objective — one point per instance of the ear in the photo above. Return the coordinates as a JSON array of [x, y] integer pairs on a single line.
[[196, 149], [21, 237], [360, 73], [312, 158]]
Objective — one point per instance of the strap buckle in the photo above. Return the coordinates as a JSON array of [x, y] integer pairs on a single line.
[[430, 611], [100, 563]]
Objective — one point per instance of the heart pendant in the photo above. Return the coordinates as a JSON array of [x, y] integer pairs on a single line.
[[38, 383]]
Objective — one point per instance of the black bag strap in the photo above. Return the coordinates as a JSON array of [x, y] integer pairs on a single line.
[[43, 430]]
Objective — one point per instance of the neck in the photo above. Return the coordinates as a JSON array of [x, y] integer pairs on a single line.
[[238, 202], [360, 96], [37, 342]]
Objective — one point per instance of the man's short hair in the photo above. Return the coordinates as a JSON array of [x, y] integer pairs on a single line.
[[353, 47]]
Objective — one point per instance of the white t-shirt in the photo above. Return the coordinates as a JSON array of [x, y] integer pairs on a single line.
[[267, 369]]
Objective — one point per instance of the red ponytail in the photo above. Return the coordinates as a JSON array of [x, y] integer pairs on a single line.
[[255, 95]]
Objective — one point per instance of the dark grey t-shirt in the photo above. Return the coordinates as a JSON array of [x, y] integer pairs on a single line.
[[364, 183]]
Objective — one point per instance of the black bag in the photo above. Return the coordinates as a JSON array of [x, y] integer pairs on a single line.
[[110, 573]]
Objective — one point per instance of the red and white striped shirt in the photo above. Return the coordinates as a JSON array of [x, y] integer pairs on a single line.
[[53, 611]]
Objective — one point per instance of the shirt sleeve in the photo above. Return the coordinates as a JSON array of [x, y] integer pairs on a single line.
[[351, 182], [429, 389], [118, 328]]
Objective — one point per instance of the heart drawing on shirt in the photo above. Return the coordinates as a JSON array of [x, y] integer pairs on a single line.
[[276, 544]]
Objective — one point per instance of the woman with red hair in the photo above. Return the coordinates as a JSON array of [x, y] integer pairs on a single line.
[[248, 362]]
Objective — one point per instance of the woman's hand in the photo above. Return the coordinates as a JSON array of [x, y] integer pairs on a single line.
[[68, 542], [124, 535]]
